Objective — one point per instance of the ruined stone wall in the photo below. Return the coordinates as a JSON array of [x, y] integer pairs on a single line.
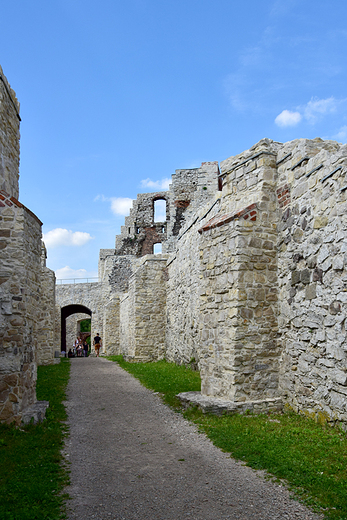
[[183, 289], [145, 311], [46, 325], [89, 295], [140, 232], [20, 259], [9, 138], [238, 309], [111, 326], [127, 324], [312, 202]]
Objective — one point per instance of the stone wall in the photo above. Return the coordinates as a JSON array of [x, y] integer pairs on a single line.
[[312, 249], [145, 310], [9, 138], [20, 257], [256, 279], [47, 344], [88, 295], [26, 285], [111, 326]]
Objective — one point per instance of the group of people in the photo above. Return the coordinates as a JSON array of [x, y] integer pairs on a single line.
[[79, 349]]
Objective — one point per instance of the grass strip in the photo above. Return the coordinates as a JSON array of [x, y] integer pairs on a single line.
[[32, 471], [165, 378], [309, 457]]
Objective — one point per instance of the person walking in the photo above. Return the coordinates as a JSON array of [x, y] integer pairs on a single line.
[[97, 344]]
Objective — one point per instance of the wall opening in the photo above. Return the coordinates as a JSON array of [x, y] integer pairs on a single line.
[[157, 248], [65, 313], [159, 206]]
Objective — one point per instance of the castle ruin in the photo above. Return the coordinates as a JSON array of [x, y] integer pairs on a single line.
[[251, 284]]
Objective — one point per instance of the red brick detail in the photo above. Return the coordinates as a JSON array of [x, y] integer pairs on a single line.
[[182, 203], [2, 205], [16, 202], [220, 220], [3, 192], [283, 196], [151, 238], [8, 203]]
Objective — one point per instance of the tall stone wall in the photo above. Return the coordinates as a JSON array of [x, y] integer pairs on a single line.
[[26, 285], [145, 308], [111, 326], [256, 280], [47, 344], [20, 257], [9, 138], [312, 249]]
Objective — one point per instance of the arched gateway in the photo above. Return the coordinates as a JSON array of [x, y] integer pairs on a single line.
[[78, 300], [65, 313]]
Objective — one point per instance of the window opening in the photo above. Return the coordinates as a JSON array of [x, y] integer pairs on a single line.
[[160, 210], [157, 248]]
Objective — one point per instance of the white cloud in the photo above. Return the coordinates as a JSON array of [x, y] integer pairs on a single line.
[[318, 107], [64, 237], [121, 205], [163, 184], [341, 134], [68, 273], [288, 118]]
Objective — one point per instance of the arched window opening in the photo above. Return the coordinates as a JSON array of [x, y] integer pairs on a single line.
[[157, 248], [160, 210]]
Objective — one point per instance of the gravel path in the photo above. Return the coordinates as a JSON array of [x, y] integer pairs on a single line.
[[133, 458]]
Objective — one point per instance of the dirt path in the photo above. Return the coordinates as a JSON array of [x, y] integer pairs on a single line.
[[133, 458]]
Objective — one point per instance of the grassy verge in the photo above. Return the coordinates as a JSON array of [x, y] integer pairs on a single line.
[[311, 458], [32, 473], [165, 378]]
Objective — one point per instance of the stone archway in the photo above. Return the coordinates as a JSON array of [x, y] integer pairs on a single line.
[[67, 311]]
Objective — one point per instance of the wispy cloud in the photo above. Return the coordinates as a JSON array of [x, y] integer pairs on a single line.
[[66, 273], [341, 134], [316, 108], [288, 118], [312, 112], [162, 184], [65, 237], [119, 205]]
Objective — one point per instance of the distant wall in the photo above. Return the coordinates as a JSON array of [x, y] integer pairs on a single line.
[[144, 311]]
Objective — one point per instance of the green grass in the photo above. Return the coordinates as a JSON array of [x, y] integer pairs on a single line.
[[32, 473], [166, 378], [310, 458]]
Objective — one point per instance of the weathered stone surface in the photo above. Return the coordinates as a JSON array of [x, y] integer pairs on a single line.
[[26, 285]]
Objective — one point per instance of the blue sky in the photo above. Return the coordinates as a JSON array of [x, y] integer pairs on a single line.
[[116, 95]]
